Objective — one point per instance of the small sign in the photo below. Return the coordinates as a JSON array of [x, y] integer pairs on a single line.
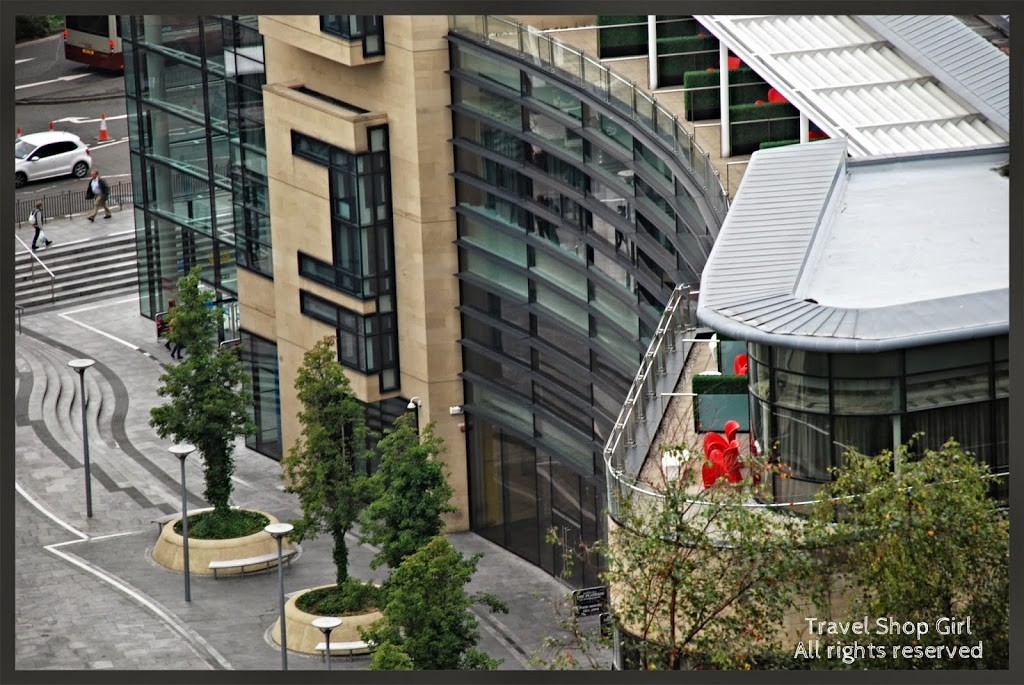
[[591, 601]]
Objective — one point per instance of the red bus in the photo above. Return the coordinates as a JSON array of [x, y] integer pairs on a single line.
[[94, 40]]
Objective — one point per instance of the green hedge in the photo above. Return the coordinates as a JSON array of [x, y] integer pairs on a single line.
[[704, 104], [622, 41], [751, 125], [703, 53], [724, 384], [779, 143], [687, 27]]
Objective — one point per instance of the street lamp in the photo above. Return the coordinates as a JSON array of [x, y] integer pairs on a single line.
[[80, 365], [278, 531], [414, 405], [326, 624], [181, 451]]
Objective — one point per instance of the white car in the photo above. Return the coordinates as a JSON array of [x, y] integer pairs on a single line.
[[48, 154]]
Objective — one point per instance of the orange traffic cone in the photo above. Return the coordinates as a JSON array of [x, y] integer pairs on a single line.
[[51, 125], [17, 133], [103, 129]]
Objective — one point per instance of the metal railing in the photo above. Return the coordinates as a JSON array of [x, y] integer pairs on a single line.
[[20, 310], [71, 202], [647, 401], [603, 82], [32, 270]]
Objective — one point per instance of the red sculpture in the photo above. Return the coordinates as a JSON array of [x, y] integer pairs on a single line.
[[723, 456], [740, 364], [776, 96]]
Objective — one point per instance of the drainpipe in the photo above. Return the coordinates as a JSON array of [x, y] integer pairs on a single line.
[[723, 70]]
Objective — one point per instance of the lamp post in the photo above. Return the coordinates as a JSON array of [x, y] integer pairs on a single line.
[[181, 451], [80, 365], [278, 531], [414, 405], [326, 624]]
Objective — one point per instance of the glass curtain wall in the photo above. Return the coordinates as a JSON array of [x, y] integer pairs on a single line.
[[807, 408], [572, 234], [192, 86]]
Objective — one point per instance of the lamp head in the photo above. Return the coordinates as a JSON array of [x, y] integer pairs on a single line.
[[414, 403], [80, 365], [278, 530]]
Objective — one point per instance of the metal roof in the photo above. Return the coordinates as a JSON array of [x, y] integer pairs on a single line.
[[853, 82], [824, 253]]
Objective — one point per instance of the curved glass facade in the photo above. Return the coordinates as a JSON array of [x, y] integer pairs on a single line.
[[573, 230], [806, 408]]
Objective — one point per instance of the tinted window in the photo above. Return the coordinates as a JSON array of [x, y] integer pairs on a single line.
[[61, 148], [94, 24], [48, 150]]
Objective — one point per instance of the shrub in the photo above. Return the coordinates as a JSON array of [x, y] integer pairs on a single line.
[[751, 125], [31, 27], [621, 41], [704, 104], [223, 525], [699, 52], [724, 384], [351, 597]]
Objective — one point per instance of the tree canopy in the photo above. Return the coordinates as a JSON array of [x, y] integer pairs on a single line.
[[408, 492], [209, 398]]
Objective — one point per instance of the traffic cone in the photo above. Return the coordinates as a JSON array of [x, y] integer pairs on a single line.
[[17, 133], [104, 135], [51, 125]]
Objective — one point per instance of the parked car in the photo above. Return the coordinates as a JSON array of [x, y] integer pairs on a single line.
[[48, 154]]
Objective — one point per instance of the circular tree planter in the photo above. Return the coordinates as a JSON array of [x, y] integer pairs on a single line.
[[303, 636], [169, 550]]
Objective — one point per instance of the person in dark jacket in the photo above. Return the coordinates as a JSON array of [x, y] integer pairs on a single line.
[[98, 191], [37, 222]]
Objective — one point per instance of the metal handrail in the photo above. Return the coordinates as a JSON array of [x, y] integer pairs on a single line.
[[644, 109], [71, 202], [53, 277], [20, 309]]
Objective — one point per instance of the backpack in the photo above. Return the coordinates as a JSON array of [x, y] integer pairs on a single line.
[[33, 216]]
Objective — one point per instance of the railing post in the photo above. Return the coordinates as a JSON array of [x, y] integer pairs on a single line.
[[583, 78], [519, 31], [487, 33], [632, 96], [675, 131]]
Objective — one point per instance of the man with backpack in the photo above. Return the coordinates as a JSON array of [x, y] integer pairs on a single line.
[[37, 221]]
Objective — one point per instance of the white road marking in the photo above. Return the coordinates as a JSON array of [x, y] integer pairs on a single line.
[[100, 306], [45, 512], [103, 333], [83, 120], [27, 59], [100, 146], [56, 80]]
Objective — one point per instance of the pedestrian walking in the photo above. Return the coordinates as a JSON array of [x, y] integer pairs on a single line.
[[98, 191], [37, 222], [176, 350], [167, 317]]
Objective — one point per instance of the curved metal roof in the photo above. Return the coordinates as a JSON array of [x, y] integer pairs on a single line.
[[890, 85], [824, 253]]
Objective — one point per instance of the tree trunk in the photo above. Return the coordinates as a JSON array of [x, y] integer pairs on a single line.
[[340, 556]]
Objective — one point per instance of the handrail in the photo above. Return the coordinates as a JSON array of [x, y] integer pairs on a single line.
[[20, 309], [53, 277], [644, 109]]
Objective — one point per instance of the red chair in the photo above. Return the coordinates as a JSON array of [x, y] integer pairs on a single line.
[[731, 427], [740, 364], [775, 96], [734, 62]]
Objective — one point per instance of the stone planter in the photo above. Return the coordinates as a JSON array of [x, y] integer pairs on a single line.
[[169, 550], [303, 637]]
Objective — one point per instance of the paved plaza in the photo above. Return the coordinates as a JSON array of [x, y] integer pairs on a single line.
[[88, 594]]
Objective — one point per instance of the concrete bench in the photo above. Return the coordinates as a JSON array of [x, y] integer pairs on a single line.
[[266, 560], [162, 521], [357, 647]]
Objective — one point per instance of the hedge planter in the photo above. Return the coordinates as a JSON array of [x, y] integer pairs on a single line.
[[304, 637], [169, 550]]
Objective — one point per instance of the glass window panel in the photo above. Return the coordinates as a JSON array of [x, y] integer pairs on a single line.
[[520, 481], [562, 308], [562, 274], [494, 241], [953, 386], [487, 500], [802, 443], [488, 104], [556, 133], [865, 365], [866, 395], [798, 361], [936, 357], [549, 94], [866, 434], [802, 392], [499, 72], [495, 272]]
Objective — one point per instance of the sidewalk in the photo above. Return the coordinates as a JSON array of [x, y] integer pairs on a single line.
[[88, 594], [63, 231]]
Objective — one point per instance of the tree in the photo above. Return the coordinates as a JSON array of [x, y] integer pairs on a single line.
[[408, 493], [699, 581], [320, 466], [426, 612], [920, 539], [209, 392], [391, 657]]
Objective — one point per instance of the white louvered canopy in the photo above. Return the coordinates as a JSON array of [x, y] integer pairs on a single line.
[[846, 75]]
